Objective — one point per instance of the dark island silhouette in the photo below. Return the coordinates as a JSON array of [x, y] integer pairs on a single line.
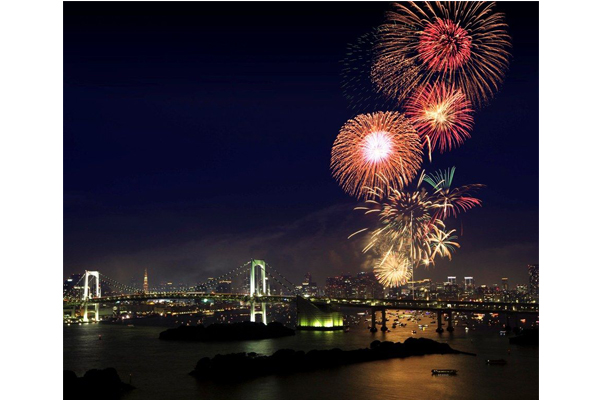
[[228, 332], [94, 384], [287, 361]]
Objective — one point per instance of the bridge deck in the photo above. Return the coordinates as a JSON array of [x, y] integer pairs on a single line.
[[424, 305]]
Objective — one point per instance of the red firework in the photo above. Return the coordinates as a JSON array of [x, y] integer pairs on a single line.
[[444, 46], [442, 115], [463, 43]]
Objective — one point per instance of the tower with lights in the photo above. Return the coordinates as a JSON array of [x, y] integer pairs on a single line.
[[145, 280]]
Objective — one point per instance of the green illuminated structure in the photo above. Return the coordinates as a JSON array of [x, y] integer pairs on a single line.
[[317, 317]]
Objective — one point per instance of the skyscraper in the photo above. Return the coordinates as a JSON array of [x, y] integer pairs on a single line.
[[534, 279], [469, 283], [505, 284], [145, 280], [308, 287], [70, 285]]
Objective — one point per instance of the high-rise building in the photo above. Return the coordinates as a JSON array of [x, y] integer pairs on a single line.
[[367, 286], [72, 285], [505, 284], [452, 280], [522, 289], [363, 286], [469, 283], [534, 279], [334, 287], [308, 288]]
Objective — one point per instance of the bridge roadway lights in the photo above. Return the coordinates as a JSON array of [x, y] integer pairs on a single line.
[[450, 327], [439, 323]]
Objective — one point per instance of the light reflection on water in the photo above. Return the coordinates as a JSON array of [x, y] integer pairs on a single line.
[[159, 369]]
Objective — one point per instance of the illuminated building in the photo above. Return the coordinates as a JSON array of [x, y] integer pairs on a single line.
[[451, 287], [145, 280], [318, 317], [522, 289], [505, 284], [73, 285], [308, 288], [534, 279], [363, 286], [469, 283]]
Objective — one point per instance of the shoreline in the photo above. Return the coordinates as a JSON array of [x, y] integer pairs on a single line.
[[288, 361]]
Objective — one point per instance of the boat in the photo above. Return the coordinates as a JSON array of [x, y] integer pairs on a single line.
[[497, 362], [444, 371]]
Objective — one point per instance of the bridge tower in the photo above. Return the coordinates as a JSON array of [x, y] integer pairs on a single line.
[[87, 295], [258, 288]]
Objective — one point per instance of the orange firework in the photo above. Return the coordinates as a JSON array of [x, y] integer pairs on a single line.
[[376, 149], [442, 116], [463, 43]]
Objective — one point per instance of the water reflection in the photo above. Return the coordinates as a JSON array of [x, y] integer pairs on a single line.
[[159, 368]]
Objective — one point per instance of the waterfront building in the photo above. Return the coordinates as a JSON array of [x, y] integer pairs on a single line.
[[322, 317]]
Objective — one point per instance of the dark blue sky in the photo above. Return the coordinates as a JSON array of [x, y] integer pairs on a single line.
[[198, 136]]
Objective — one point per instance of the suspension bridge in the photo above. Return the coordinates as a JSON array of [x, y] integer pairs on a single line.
[[258, 295]]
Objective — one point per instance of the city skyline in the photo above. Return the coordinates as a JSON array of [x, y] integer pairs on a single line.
[[532, 283], [227, 158]]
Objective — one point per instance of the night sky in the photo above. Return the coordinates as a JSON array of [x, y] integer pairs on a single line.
[[198, 136]]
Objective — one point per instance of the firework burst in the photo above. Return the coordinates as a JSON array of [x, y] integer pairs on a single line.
[[393, 269], [376, 149], [357, 86], [463, 43], [451, 201], [442, 116], [411, 222], [442, 242]]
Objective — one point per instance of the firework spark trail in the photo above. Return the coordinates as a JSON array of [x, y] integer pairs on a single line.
[[442, 116], [375, 149], [462, 43]]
